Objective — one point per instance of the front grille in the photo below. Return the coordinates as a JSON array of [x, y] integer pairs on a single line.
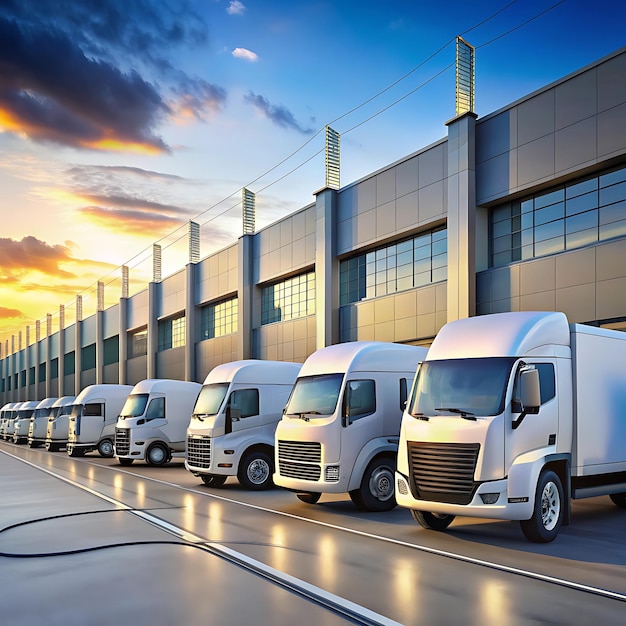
[[122, 441], [199, 452], [300, 459], [443, 472]]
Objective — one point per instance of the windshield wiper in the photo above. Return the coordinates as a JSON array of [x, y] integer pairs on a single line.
[[201, 416], [303, 414], [420, 416], [464, 414]]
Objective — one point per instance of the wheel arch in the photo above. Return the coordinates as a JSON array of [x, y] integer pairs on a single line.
[[373, 449]]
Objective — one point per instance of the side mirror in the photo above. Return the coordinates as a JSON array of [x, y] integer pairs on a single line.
[[529, 394], [231, 414]]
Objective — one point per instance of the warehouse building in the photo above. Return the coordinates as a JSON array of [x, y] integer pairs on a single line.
[[522, 209]]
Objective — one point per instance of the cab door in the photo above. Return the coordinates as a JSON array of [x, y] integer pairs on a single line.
[[243, 410], [534, 431]]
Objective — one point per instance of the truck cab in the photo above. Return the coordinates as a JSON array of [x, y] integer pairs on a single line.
[[340, 429], [231, 432]]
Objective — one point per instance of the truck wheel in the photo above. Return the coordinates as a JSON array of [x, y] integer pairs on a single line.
[[157, 454], [310, 497], [376, 492], [255, 471], [213, 480], [432, 521], [547, 518], [72, 451], [52, 447], [105, 448], [125, 462], [619, 499]]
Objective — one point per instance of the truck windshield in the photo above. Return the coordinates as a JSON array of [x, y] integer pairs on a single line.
[[135, 405], [464, 386], [210, 399], [77, 410], [315, 395]]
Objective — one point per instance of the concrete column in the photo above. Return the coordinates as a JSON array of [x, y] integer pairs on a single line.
[[153, 330], [326, 269], [78, 357], [461, 291], [60, 379], [99, 347], [123, 341], [245, 296], [191, 331], [48, 353]]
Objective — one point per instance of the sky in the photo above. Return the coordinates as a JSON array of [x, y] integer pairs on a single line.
[[122, 120]]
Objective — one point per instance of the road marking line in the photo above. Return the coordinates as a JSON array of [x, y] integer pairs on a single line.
[[307, 590], [434, 551]]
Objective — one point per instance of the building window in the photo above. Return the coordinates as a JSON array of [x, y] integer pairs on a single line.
[[31, 376], [42, 373], [571, 216], [219, 319], [69, 364], [289, 299], [111, 350], [88, 357], [171, 333], [54, 368], [414, 262], [138, 343]]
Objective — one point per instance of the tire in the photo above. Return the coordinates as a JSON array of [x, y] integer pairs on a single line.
[[213, 480], [432, 521], [376, 492], [105, 448], [157, 454], [52, 447], [74, 452], [545, 523], [255, 471], [125, 462], [619, 499], [309, 497]]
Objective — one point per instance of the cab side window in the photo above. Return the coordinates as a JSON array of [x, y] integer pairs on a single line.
[[156, 409], [95, 408], [360, 399], [246, 400]]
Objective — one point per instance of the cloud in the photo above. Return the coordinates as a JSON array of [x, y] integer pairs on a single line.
[[8, 314], [17, 257], [197, 98], [247, 55], [235, 8], [50, 91], [278, 114], [100, 76], [83, 170], [137, 222]]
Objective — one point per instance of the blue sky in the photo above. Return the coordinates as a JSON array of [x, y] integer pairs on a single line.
[[122, 120]]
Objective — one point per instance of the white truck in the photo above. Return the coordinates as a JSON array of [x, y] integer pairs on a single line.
[[59, 423], [21, 423], [93, 418], [512, 415], [340, 429], [7, 414], [231, 432], [152, 425], [39, 423]]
